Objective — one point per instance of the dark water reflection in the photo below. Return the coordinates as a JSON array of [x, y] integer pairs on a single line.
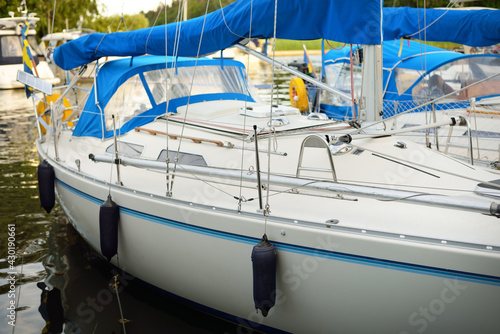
[[61, 285]]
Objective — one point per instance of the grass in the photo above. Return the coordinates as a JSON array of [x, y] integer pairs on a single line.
[[292, 45]]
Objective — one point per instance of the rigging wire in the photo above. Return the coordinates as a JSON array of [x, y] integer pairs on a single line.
[[448, 7], [119, 23], [132, 24], [122, 19], [423, 61], [53, 17], [189, 97], [269, 138], [245, 106], [153, 25], [211, 184], [168, 175], [167, 100], [225, 23], [178, 32], [334, 48], [354, 114]]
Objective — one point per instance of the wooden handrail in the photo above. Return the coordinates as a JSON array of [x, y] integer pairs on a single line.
[[483, 112], [172, 136]]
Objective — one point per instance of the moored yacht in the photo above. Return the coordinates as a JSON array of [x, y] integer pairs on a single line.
[[11, 55], [175, 172]]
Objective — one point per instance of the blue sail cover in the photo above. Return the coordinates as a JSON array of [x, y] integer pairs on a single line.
[[339, 20], [469, 27]]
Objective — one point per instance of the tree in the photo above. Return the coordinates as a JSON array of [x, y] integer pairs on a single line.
[[68, 13], [7, 6], [118, 23], [72, 14], [175, 10]]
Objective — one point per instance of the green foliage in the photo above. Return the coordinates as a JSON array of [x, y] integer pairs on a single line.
[[7, 6], [117, 23], [67, 13], [175, 12], [289, 45], [71, 14]]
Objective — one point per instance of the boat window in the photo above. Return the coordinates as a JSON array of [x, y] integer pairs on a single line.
[[464, 72], [128, 149], [208, 80], [184, 158], [129, 101], [405, 78], [461, 73], [11, 47], [339, 76]]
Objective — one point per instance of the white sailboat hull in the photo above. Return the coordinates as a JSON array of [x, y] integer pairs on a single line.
[[330, 279]]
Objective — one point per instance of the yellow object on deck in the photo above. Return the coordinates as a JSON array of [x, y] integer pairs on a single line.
[[298, 94]]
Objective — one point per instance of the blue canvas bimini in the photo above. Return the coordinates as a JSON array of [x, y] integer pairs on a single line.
[[408, 78]]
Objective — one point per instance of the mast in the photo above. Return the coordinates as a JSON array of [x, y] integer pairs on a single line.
[[371, 99]]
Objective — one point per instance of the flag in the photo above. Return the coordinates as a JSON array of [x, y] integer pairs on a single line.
[[27, 57]]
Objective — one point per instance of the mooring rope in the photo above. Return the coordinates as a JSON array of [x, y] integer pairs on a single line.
[[122, 320]]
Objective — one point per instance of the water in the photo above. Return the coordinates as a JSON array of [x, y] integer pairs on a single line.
[[49, 252]]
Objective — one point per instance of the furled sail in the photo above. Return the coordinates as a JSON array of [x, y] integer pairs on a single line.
[[469, 27], [337, 20]]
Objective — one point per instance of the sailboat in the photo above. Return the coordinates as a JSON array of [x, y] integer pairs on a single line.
[[411, 74], [175, 172], [52, 40], [11, 53], [424, 84]]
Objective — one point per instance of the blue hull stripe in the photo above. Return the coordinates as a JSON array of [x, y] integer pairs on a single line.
[[314, 252]]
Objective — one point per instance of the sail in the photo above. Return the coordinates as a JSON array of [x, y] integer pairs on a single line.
[[468, 27], [337, 20]]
